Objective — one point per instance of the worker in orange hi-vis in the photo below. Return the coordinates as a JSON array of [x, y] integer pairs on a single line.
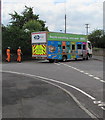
[[19, 53], [8, 53]]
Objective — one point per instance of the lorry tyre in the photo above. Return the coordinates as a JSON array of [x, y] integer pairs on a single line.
[[90, 55], [76, 59], [51, 61], [56, 61], [84, 58], [87, 57], [64, 58]]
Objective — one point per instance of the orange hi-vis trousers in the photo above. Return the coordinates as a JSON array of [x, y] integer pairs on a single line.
[[19, 55], [8, 55], [19, 58]]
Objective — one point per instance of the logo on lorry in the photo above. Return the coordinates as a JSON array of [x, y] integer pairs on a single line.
[[38, 38]]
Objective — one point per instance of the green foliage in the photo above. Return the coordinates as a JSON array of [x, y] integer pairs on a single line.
[[28, 14], [97, 38], [33, 25], [18, 32], [14, 37]]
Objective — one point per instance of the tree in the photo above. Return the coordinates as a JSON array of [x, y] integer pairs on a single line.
[[33, 25], [29, 15], [18, 32], [97, 38], [20, 20]]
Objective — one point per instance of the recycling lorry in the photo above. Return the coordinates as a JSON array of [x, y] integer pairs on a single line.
[[60, 46]]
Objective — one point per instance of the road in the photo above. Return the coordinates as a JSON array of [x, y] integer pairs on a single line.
[[76, 85]]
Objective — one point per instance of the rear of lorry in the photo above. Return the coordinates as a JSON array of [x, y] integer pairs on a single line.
[[39, 45]]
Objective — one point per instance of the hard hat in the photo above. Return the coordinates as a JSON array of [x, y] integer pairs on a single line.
[[19, 47], [8, 47]]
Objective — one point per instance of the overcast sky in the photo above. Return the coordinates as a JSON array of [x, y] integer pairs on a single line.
[[79, 13]]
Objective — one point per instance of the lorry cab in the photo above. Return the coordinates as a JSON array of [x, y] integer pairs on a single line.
[[89, 49]]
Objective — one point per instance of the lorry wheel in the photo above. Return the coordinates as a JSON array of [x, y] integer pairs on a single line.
[[76, 59], [87, 57], [90, 55], [56, 61], [64, 58], [51, 61], [84, 58]]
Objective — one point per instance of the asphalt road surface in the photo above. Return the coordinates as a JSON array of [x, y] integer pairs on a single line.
[[39, 89]]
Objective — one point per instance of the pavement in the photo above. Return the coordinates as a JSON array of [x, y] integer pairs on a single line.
[[25, 97]]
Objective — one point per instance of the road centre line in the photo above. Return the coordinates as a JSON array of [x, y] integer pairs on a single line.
[[56, 81], [103, 108], [69, 93], [75, 68], [102, 81], [97, 78], [86, 73], [82, 71], [90, 75], [97, 102], [100, 104]]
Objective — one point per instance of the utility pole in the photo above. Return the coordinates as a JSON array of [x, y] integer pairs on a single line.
[[65, 16], [104, 17], [87, 27], [0, 13], [65, 22]]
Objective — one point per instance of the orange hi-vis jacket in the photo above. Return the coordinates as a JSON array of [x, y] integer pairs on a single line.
[[19, 55], [8, 55]]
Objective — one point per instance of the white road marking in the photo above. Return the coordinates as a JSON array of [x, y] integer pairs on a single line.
[[56, 63], [103, 108], [76, 69], [71, 95], [82, 71], [101, 104], [96, 102], [102, 81], [56, 81], [86, 73], [97, 78], [91, 75]]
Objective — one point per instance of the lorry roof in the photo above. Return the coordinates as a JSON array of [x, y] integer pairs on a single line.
[[58, 32], [57, 36]]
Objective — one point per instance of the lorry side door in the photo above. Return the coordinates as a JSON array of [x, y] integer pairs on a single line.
[[89, 48], [79, 49], [63, 47], [84, 49], [73, 50]]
